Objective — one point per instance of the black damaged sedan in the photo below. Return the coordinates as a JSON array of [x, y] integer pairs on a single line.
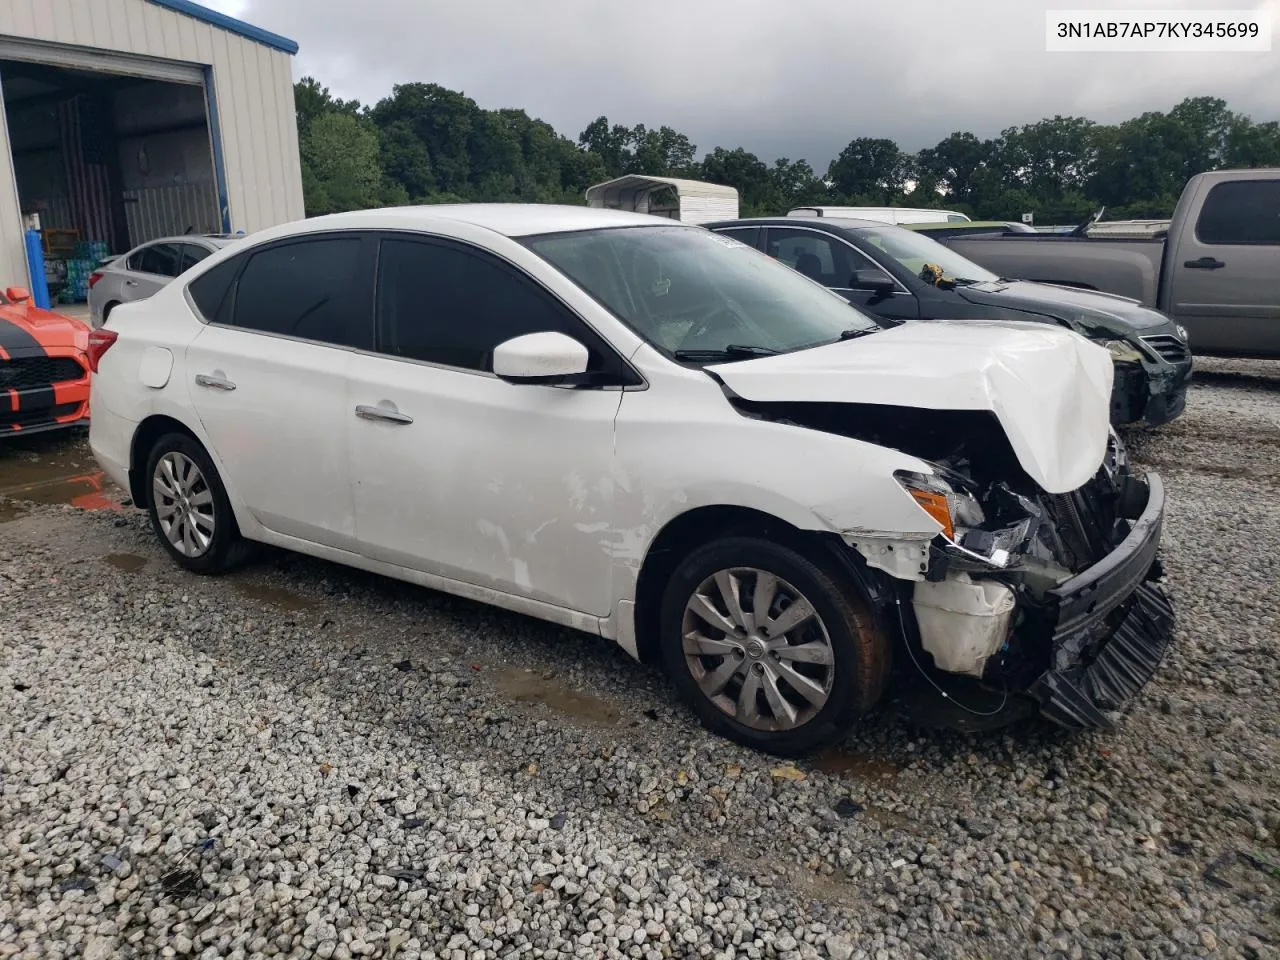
[[900, 275]]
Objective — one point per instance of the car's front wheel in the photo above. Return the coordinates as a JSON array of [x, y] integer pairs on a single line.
[[769, 648], [188, 505]]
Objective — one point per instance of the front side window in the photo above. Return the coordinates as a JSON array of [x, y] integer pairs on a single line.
[[309, 288], [441, 303], [162, 259], [685, 289], [912, 251], [1243, 211], [818, 256]]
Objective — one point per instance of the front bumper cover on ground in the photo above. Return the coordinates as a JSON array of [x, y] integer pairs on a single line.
[[1097, 665]]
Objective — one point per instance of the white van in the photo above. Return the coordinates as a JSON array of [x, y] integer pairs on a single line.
[[883, 214]]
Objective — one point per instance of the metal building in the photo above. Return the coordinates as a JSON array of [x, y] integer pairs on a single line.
[[125, 120]]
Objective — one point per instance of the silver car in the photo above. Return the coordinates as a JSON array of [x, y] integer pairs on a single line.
[[146, 268]]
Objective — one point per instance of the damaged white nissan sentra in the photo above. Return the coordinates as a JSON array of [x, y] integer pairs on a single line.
[[643, 430]]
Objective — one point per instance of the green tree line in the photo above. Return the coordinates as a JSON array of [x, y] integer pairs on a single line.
[[428, 144]]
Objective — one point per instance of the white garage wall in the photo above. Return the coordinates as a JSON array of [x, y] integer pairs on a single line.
[[253, 88]]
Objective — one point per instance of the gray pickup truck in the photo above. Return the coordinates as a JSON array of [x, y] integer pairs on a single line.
[[1217, 272]]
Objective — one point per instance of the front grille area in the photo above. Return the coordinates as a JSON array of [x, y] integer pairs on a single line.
[[27, 418], [1171, 348], [27, 373]]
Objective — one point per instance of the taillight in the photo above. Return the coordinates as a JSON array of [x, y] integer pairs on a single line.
[[100, 341], [94, 278]]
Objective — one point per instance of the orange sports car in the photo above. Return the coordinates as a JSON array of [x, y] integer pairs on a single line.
[[44, 367]]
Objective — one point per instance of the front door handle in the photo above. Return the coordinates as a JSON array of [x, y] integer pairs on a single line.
[[1204, 263], [214, 382], [386, 414]]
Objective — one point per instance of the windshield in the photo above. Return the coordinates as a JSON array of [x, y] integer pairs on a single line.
[[913, 251], [691, 291]]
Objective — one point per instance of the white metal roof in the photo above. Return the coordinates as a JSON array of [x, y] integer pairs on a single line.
[[686, 188]]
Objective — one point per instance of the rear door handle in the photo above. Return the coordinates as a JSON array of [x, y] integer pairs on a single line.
[[214, 382], [386, 414], [131, 283], [1204, 263]]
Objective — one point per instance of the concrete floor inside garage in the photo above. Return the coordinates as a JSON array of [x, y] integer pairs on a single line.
[[107, 161]]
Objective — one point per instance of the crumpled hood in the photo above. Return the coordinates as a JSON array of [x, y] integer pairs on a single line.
[[1107, 311], [1049, 388]]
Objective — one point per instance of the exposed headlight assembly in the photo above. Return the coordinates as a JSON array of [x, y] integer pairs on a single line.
[[937, 498], [1122, 351]]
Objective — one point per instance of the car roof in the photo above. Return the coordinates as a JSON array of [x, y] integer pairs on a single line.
[[508, 219], [211, 239], [828, 224]]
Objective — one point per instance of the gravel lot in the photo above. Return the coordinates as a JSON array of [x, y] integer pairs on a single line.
[[301, 760]]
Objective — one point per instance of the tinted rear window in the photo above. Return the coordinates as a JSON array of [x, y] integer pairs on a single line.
[[306, 289], [1244, 211]]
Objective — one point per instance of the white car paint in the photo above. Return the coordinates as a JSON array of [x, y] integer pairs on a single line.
[[1049, 388], [546, 500]]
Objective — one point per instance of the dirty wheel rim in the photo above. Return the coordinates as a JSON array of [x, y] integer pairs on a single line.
[[758, 649], [184, 504]]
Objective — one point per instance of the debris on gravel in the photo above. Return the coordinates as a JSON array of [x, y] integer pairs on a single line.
[[304, 760]]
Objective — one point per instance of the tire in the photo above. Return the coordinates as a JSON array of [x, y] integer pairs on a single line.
[[214, 544], [106, 311], [840, 630]]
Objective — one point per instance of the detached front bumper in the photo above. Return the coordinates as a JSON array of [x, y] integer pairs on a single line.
[[1111, 627]]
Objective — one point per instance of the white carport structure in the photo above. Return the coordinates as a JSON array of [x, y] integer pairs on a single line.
[[691, 201]]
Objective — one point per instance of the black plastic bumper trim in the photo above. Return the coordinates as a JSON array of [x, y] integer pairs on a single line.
[[1086, 599], [1082, 698]]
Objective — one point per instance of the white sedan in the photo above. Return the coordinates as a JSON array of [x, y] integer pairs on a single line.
[[643, 430]]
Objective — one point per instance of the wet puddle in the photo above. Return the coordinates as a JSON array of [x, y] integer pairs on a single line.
[[126, 562], [52, 469], [276, 596], [859, 766], [525, 686]]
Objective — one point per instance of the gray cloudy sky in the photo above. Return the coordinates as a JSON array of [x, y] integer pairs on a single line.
[[798, 78]]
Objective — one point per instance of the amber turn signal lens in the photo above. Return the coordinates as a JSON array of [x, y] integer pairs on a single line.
[[936, 506]]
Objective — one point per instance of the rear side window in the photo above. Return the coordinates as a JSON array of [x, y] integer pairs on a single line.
[[311, 289], [211, 291], [443, 304], [745, 235], [162, 259], [1243, 211], [192, 254]]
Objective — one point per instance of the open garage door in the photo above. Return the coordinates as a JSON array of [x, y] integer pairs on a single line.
[[110, 151]]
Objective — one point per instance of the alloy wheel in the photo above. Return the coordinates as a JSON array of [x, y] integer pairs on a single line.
[[184, 504], [758, 649]]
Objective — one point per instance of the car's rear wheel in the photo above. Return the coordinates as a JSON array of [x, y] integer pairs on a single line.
[[770, 649], [189, 509]]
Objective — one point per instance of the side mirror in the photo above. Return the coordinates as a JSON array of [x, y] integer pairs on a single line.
[[17, 294], [546, 357], [871, 279]]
